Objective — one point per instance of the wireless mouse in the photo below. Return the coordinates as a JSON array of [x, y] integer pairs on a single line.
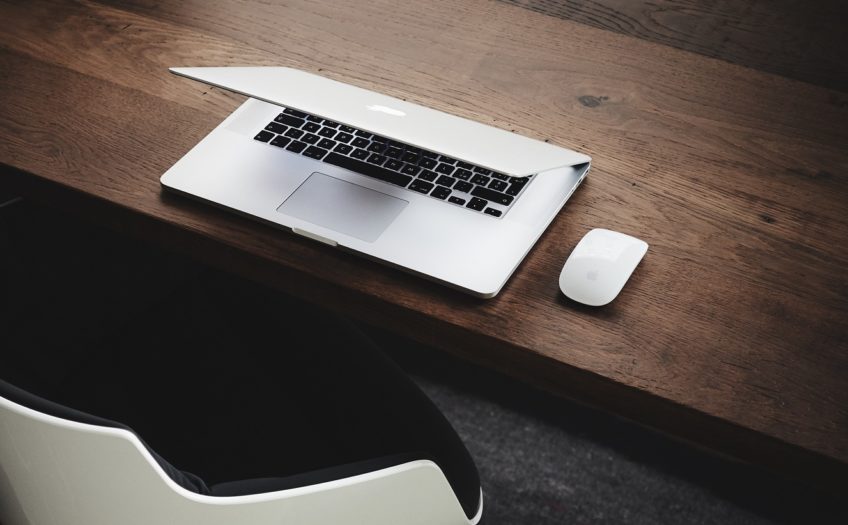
[[600, 264]]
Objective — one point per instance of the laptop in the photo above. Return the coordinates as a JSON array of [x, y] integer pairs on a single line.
[[446, 198]]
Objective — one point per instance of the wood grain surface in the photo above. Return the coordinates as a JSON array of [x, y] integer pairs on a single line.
[[801, 40], [732, 333]]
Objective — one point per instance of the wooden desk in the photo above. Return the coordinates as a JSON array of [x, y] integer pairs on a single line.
[[733, 332]]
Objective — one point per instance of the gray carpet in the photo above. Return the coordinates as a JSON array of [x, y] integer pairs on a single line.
[[542, 460], [535, 471]]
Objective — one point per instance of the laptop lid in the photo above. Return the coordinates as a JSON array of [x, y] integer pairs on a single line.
[[426, 128]]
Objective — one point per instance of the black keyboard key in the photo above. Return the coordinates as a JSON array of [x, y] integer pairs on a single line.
[[444, 180], [409, 169], [344, 137], [347, 129], [296, 146], [463, 186], [447, 169], [376, 158], [463, 174], [289, 120], [363, 134], [378, 138], [396, 144], [484, 171], [327, 132], [428, 154], [516, 186], [476, 204], [421, 186], [393, 164], [331, 124], [367, 169], [276, 128], [500, 176], [314, 152], [446, 160], [464, 165], [427, 175], [360, 142], [360, 154], [413, 149], [492, 195], [311, 127], [294, 113], [313, 118], [493, 212], [480, 179], [309, 138], [326, 144], [498, 185], [377, 147], [393, 152], [280, 141], [441, 192], [344, 149], [294, 133], [427, 163], [457, 200], [410, 157], [264, 136]]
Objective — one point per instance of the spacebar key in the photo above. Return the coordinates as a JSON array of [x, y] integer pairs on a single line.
[[367, 169], [491, 195]]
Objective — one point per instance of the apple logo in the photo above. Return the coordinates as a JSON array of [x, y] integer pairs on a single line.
[[592, 275]]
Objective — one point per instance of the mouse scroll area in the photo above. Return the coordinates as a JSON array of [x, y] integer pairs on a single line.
[[600, 265]]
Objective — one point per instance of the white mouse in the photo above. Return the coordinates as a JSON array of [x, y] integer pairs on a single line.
[[600, 264]]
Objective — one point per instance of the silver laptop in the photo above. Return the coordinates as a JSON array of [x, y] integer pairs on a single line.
[[449, 199]]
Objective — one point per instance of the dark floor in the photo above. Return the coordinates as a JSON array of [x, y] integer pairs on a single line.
[[67, 283]]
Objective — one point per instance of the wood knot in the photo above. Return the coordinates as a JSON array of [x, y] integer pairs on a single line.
[[591, 102], [820, 174], [767, 218]]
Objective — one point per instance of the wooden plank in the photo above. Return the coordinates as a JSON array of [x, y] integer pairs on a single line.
[[801, 40], [735, 178]]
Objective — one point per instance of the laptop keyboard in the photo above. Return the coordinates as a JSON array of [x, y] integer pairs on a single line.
[[450, 180]]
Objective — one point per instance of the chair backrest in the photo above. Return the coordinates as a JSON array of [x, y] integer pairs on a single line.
[[62, 472]]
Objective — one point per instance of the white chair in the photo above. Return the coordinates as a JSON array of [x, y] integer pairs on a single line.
[[62, 466], [66, 472]]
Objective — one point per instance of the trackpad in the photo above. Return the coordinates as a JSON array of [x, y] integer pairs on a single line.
[[343, 206]]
